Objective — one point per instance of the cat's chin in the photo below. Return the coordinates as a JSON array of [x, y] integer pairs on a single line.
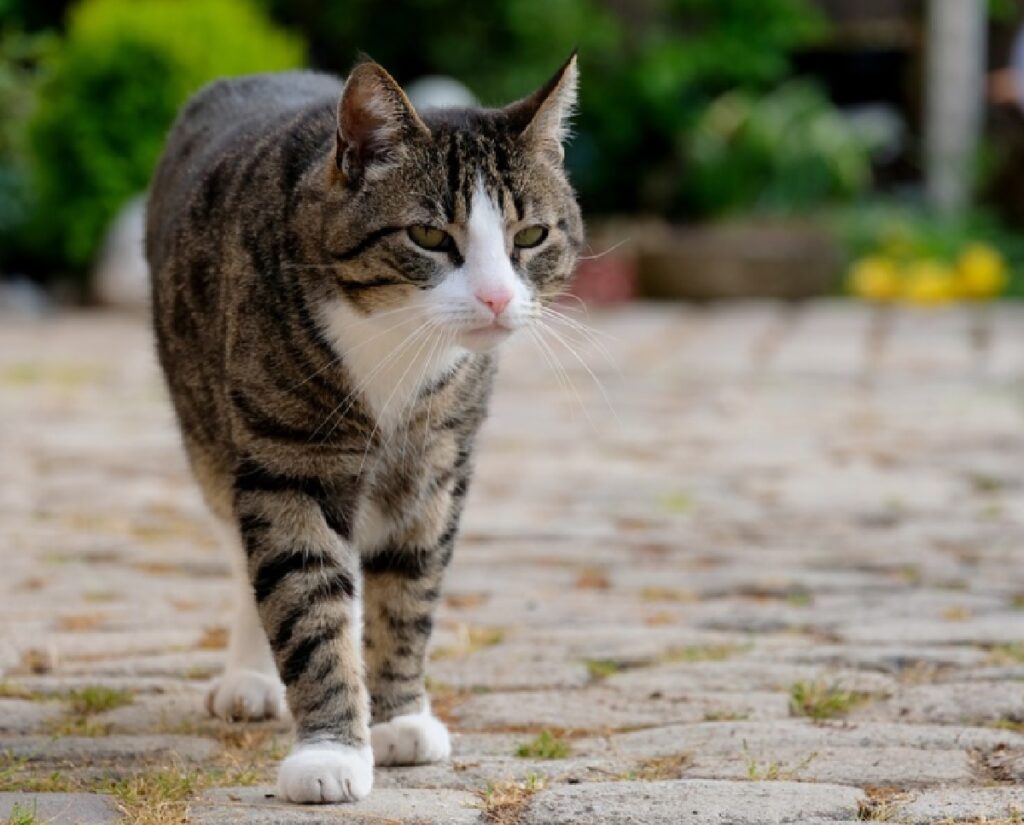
[[484, 339]]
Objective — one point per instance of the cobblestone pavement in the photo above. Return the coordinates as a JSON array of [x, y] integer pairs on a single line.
[[777, 577]]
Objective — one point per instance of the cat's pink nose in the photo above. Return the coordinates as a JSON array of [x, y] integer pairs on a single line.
[[495, 299]]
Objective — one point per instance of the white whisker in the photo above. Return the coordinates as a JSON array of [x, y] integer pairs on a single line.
[[583, 363]]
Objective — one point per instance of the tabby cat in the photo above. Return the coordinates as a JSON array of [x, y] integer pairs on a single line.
[[332, 271]]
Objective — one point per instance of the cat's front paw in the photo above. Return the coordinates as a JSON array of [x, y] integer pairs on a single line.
[[413, 739], [326, 772], [246, 695]]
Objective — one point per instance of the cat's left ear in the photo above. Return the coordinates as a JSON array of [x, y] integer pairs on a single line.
[[542, 119], [375, 121]]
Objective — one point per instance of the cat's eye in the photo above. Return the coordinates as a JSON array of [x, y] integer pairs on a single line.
[[531, 236], [428, 237]]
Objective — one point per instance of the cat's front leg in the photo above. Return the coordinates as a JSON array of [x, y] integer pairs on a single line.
[[306, 581], [402, 581]]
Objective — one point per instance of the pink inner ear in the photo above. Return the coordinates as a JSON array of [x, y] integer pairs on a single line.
[[364, 116]]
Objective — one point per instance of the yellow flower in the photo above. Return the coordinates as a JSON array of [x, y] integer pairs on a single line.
[[874, 278], [929, 282], [981, 272]]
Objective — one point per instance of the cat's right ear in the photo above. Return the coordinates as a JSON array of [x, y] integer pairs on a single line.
[[375, 119]]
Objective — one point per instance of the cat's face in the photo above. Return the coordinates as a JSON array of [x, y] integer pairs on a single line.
[[458, 221]]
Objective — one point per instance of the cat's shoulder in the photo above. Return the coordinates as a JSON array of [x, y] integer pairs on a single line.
[[247, 96]]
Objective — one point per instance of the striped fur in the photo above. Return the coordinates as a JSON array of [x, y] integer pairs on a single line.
[[277, 238]]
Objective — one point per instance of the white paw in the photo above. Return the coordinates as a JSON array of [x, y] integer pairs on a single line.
[[413, 739], [246, 694], [326, 772]]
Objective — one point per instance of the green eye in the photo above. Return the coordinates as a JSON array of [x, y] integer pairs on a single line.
[[531, 236], [430, 238]]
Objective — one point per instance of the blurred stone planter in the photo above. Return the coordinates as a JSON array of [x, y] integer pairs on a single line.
[[737, 260]]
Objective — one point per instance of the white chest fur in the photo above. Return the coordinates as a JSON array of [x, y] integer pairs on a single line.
[[390, 357]]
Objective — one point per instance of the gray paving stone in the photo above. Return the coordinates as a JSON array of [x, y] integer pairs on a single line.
[[962, 805], [861, 766], [26, 716], [607, 709], [684, 679], [94, 750], [801, 735], [953, 703], [61, 808], [700, 802], [768, 487], [383, 806]]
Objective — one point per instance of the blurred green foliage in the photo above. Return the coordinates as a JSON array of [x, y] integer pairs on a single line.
[[649, 71], [20, 58], [782, 152], [111, 93], [648, 68]]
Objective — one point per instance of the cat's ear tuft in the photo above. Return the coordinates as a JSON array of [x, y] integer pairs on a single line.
[[543, 118], [375, 121]]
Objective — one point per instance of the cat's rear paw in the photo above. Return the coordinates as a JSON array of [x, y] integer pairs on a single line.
[[326, 773], [246, 695], [413, 739]]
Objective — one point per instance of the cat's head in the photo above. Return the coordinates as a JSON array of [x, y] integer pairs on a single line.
[[460, 219]]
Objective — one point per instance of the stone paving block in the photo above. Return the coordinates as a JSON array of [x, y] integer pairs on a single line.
[[860, 766], [694, 801], [980, 805], [731, 737], [953, 703], [684, 679], [384, 806], [890, 658], [475, 772], [600, 709], [24, 716], [510, 667], [61, 808], [1004, 628], [96, 750]]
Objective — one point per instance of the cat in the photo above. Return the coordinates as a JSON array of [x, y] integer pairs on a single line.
[[332, 272]]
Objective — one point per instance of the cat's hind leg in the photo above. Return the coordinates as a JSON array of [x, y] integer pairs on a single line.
[[249, 688]]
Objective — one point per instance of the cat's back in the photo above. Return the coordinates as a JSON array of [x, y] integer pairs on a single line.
[[221, 127]]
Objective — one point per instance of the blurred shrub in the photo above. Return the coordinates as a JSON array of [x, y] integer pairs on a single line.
[[33, 15], [20, 57], [781, 152], [904, 253], [112, 92], [648, 68]]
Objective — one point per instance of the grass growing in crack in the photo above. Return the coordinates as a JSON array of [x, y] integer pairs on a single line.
[[471, 639], [1006, 723], [97, 699], [700, 653], [545, 746], [725, 716], [659, 767], [773, 770], [502, 803], [881, 805], [83, 705], [158, 797], [9, 690], [1007, 654], [15, 777], [818, 700], [601, 668], [21, 815]]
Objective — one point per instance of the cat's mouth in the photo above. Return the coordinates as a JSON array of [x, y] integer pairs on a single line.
[[487, 335]]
